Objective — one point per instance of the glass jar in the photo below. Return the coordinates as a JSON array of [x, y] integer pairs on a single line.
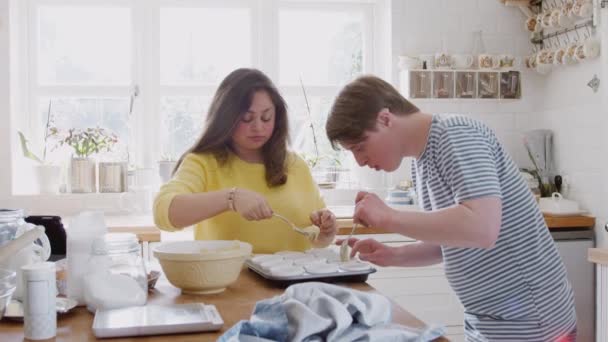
[[12, 226], [116, 276], [10, 221]]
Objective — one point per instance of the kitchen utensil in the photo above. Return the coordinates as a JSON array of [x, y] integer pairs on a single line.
[[202, 266], [312, 232], [558, 183], [344, 251]]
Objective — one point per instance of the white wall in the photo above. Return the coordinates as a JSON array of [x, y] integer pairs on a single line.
[[423, 26], [577, 117], [5, 150]]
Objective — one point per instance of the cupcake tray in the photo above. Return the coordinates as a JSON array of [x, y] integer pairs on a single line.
[[286, 268]]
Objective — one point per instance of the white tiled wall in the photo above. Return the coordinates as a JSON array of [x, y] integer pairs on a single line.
[[428, 26], [578, 118]]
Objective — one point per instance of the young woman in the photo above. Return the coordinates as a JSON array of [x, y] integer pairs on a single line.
[[479, 218], [240, 172]]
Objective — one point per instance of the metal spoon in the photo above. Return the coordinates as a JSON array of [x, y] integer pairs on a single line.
[[310, 232], [344, 254]]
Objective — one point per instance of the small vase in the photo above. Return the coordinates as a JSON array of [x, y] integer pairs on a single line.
[[49, 178], [165, 170], [83, 175]]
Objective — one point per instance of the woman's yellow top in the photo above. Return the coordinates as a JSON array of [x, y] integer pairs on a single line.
[[296, 200]]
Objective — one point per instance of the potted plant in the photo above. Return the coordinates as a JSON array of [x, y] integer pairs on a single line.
[[85, 143], [325, 167], [48, 175], [166, 164]]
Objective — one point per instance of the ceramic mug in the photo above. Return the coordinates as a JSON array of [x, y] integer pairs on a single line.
[[555, 17], [582, 10], [533, 25], [462, 61], [486, 61], [546, 19], [565, 19], [560, 56]]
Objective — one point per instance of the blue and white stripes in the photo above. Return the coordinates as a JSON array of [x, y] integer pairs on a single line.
[[517, 290]]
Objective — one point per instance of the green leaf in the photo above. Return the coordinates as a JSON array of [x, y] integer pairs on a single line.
[[26, 151]]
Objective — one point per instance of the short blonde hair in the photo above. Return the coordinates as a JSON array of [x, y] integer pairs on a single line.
[[356, 108]]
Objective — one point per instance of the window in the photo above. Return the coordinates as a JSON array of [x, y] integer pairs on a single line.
[[147, 70]]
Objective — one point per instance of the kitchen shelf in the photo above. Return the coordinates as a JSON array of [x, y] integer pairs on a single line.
[[461, 84]]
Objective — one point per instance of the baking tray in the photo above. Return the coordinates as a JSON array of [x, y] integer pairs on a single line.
[[340, 276]]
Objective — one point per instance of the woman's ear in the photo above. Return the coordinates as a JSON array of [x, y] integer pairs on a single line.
[[385, 117]]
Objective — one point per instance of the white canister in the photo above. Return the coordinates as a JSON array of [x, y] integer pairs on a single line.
[[39, 304], [81, 232]]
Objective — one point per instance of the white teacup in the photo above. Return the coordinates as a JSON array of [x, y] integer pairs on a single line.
[[409, 63], [570, 57], [565, 20], [560, 56], [533, 24], [582, 9], [485, 61], [462, 61]]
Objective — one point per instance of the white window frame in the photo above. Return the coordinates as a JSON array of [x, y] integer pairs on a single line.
[[146, 71]]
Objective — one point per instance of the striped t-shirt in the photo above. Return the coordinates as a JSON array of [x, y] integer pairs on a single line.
[[517, 290]]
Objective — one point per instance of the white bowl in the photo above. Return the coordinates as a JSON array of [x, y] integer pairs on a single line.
[[202, 267]]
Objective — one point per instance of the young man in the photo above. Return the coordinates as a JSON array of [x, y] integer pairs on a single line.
[[479, 217]]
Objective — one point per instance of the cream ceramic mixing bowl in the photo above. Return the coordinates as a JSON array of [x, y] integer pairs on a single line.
[[202, 267]]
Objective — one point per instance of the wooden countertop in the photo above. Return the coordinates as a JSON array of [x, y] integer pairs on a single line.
[[145, 229], [598, 256], [553, 222], [234, 304]]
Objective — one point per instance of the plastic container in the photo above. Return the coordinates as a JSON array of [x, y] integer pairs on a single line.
[[116, 276], [82, 230], [39, 301]]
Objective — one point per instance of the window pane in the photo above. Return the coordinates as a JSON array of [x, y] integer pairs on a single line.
[[193, 51], [182, 121], [71, 112], [328, 52], [299, 125], [89, 45]]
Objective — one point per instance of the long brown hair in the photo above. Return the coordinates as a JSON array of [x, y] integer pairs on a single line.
[[356, 109], [230, 102]]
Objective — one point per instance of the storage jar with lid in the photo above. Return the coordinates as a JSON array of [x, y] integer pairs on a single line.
[[116, 276]]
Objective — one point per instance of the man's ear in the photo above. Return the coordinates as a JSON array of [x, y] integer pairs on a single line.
[[385, 117]]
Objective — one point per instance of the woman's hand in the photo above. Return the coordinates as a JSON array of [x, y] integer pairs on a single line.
[[373, 251], [371, 211], [326, 221], [251, 205]]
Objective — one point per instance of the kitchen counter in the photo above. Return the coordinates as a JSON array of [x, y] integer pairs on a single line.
[[143, 225], [234, 304], [598, 256]]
